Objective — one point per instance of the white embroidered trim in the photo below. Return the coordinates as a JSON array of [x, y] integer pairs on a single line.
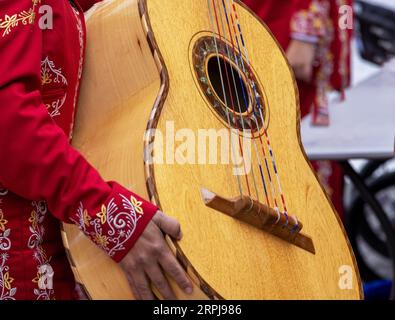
[[55, 106], [121, 224], [51, 74], [45, 271], [7, 292]]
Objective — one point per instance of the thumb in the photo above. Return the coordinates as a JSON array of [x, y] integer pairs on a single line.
[[168, 225]]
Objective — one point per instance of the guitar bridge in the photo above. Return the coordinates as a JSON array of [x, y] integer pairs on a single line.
[[258, 215]]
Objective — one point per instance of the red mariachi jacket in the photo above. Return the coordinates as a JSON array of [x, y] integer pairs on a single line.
[[43, 180]]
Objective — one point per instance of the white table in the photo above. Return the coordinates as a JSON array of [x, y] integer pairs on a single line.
[[362, 127], [388, 4]]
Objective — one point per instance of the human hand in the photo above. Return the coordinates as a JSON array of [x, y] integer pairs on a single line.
[[301, 56], [151, 258]]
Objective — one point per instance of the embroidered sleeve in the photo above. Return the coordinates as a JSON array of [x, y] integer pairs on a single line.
[[117, 223], [309, 22], [38, 163]]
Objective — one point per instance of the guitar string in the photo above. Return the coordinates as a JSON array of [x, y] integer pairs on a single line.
[[261, 115], [272, 189], [231, 98], [256, 96], [229, 51], [246, 102], [262, 177], [223, 92]]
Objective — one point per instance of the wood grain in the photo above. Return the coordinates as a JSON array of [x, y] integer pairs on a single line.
[[122, 80], [259, 266]]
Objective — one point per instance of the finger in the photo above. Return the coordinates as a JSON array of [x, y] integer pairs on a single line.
[[142, 285], [155, 274], [168, 225], [133, 287], [128, 270], [171, 266]]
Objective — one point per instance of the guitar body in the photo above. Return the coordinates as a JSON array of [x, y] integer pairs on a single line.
[[140, 74]]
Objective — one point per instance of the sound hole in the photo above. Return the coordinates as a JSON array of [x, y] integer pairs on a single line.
[[236, 91], [245, 107]]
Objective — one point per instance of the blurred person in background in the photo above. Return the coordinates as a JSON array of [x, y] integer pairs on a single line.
[[318, 50]]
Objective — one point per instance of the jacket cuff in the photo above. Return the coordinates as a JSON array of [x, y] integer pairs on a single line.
[[118, 223], [305, 38]]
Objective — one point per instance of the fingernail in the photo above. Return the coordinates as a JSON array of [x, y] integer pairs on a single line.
[[188, 290], [180, 235]]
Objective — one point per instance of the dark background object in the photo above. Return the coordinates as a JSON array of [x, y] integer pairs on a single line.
[[378, 182], [375, 26]]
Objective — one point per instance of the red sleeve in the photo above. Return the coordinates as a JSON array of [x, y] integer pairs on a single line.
[[310, 20], [36, 159], [86, 4]]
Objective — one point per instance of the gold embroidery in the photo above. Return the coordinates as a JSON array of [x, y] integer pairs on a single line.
[[24, 17], [86, 218], [7, 281], [37, 279], [3, 221], [44, 278], [44, 281], [101, 240], [33, 219], [46, 78], [137, 205], [7, 292], [51, 74], [102, 214]]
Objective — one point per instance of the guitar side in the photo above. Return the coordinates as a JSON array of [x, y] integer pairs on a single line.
[[120, 85]]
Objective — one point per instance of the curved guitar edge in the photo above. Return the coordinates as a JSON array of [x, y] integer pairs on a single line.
[[205, 290], [302, 149], [154, 118]]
